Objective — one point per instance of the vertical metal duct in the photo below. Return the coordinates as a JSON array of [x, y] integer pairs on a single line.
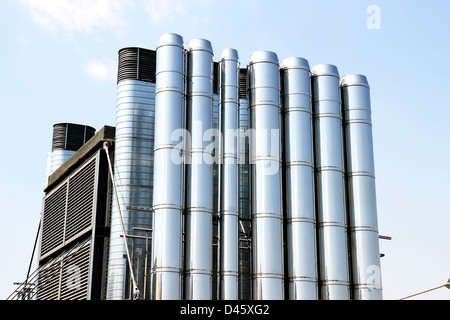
[[331, 210], [266, 176], [299, 173], [199, 183], [133, 170], [363, 225], [168, 196], [245, 256], [228, 179]]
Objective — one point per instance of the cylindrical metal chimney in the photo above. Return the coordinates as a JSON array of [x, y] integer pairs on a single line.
[[362, 207], [329, 162], [199, 179], [133, 171], [228, 179], [67, 139], [299, 173], [168, 196], [266, 176]]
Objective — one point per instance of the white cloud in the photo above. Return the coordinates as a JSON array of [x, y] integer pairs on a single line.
[[102, 70], [76, 15], [165, 10]]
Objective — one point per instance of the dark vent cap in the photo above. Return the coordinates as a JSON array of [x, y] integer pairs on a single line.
[[137, 64], [70, 136]]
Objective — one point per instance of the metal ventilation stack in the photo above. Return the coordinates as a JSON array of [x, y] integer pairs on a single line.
[[266, 176], [278, 203], [168, 197], [299, 184], [133, 174], [228, 179], [330, 185], [362, 206], [67, 139], [199, 183]]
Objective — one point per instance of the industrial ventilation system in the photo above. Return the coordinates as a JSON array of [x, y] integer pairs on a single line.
[[67, 139], [74, 224], [241, 182], [131, 215], [225, 182]]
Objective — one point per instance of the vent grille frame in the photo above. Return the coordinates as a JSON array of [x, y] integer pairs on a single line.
[[67, 277], [137, 64], [69, 209]]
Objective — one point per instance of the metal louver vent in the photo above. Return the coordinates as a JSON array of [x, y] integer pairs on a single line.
[[137, 64], [67, 276], [243, 83], [70, 136], [216, 78], [68, 209], [80, 201], [53, 220]]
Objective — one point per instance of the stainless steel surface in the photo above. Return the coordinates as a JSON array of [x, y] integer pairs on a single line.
[[330, 187], [168, 197], [266, 185], [133, 174], [299, 166], [228, 179], [363, 224], [58, 157], [199, 179]]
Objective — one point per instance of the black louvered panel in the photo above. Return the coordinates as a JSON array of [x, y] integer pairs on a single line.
[[75, 274], [216, 76], [137, 64], [243, 83], [128, 62], [80, 202], [78, 135], [53, 219], [147, 65], [70, 136]]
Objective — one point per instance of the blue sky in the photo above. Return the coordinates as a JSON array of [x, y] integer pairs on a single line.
[[58, 64]]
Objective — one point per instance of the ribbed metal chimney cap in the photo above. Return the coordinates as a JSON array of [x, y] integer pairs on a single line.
[[263, 56], [172, 39], [354, 80], [229, 54], [200, 44], [295, 63], [325, 70]]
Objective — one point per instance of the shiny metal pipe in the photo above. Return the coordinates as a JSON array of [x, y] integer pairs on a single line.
[[199, 179], [168, 197], [266, 176], [363, 224], [299, 166], [133, 170], [331, 206], [58, 157], [228, 179]]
